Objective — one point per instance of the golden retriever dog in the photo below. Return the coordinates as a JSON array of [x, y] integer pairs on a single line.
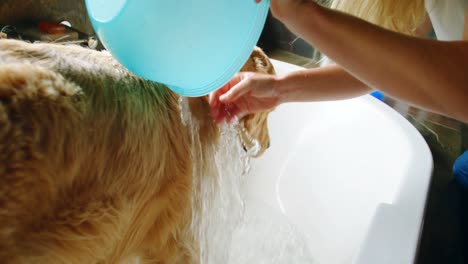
[[96, 164]]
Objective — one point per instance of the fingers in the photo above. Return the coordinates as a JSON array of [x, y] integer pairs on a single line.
[[243, 87], [213, 99], [220, 110], [233, 98], [227, 112]]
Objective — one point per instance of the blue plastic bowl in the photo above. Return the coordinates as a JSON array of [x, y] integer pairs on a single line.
[[192, 46]]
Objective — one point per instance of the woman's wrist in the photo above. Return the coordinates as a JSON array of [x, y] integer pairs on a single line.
[[281, 89]]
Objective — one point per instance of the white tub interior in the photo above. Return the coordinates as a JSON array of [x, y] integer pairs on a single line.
[[351, 175]]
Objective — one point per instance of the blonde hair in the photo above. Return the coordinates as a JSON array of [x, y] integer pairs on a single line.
[[404, 16]]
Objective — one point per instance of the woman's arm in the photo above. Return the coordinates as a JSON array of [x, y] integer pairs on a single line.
[[319, 84], [249, 92], [427, 73], [329, 82]]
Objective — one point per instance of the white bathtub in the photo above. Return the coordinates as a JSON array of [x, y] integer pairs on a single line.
[[352, 175]]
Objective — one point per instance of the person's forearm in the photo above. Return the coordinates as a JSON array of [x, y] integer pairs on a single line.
[[426, 73], [318, 84]]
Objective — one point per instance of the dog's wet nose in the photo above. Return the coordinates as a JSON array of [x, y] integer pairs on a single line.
[[268, 144]]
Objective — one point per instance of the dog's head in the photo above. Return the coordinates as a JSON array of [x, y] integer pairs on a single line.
[[256, 125], [253, 128]]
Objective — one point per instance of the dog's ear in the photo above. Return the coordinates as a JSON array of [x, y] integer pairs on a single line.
[[258, 62], [256, 131], [256, 125]]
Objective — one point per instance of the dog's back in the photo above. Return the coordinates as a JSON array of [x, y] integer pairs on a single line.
[[95, 163]]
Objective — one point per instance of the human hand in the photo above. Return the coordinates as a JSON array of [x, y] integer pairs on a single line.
[[245, 93]]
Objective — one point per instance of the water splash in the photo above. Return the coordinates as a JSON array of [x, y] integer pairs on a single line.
[[227, 227], [185, 114]]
